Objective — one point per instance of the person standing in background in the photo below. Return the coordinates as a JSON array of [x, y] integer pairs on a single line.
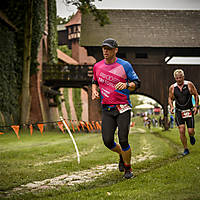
[[171, 121]]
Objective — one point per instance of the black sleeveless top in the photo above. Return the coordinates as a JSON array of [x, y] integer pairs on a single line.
[[183, 99]]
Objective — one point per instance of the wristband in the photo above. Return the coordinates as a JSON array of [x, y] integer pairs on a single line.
[[127, 85]]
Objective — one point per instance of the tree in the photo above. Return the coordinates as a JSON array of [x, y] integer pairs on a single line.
[[65, 49], [87, 6], [135, 100], [61, 20], [26, 99]]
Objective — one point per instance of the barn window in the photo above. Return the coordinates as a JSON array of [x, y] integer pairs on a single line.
[[121, 55], [141, 55]]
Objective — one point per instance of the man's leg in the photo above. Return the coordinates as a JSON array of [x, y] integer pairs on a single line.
[[191, 132], [183, 139], [181, 125], [117, 149], [109, 126], [182, 135], [123, 122], [127, 156]]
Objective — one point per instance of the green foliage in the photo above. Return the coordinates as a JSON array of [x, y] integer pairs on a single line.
[[61, 20], [65, 49], [58, 101], [77, 102], [70, 17], [38, 29], [15, 12], [9, 75], [11, 60], [66, 97], [12, 46], [52, 32], [135, 100], [11, 54], [87, 6]]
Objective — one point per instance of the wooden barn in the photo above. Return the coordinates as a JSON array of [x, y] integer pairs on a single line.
[[148, 39]]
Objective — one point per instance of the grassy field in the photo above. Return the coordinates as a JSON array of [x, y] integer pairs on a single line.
[[45, 167]]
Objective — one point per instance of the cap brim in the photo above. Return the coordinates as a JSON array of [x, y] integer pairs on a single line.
[[109, 45]]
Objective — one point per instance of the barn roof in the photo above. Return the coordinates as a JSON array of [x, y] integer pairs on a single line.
[[144, 28], [75, 20], [65, 58]]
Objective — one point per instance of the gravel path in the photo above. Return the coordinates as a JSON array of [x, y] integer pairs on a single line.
[[79, 177]]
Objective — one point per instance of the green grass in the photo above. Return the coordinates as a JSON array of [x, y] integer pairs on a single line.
[[164, 176]]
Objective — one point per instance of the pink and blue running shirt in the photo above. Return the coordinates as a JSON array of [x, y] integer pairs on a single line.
[[108, 75]]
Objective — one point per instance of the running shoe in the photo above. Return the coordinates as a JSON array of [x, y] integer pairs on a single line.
[[128, 172], [186, 152], [192, 140], [121, 164]]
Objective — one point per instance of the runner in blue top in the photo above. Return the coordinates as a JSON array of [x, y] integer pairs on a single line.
[[115, 78]]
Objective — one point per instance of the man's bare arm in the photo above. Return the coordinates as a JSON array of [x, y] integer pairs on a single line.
[[194, 92], [95, 93], [171, 98], [132, 86], [122, 86]]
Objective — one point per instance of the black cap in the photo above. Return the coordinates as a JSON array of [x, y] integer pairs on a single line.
[[110, 43]]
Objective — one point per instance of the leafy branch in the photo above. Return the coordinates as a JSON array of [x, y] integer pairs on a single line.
[[87, 6]]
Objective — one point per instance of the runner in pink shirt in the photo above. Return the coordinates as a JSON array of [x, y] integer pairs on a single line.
[[115, 78]]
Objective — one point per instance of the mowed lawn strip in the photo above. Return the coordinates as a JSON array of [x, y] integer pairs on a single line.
[[160, 175]]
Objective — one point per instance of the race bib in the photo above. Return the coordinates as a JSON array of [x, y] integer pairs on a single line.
[[123, 108], [186, 113]]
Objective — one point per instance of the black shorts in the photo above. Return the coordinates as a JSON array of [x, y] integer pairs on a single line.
[[110, 121], [179, 120]]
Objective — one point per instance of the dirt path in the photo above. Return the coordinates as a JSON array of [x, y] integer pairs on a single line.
[[84, 176], [79, 177], [68, 158]]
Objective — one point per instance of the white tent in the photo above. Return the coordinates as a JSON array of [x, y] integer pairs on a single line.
[[144, 106]]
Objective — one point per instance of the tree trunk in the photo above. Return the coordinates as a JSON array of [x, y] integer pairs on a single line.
[[26, 98]]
